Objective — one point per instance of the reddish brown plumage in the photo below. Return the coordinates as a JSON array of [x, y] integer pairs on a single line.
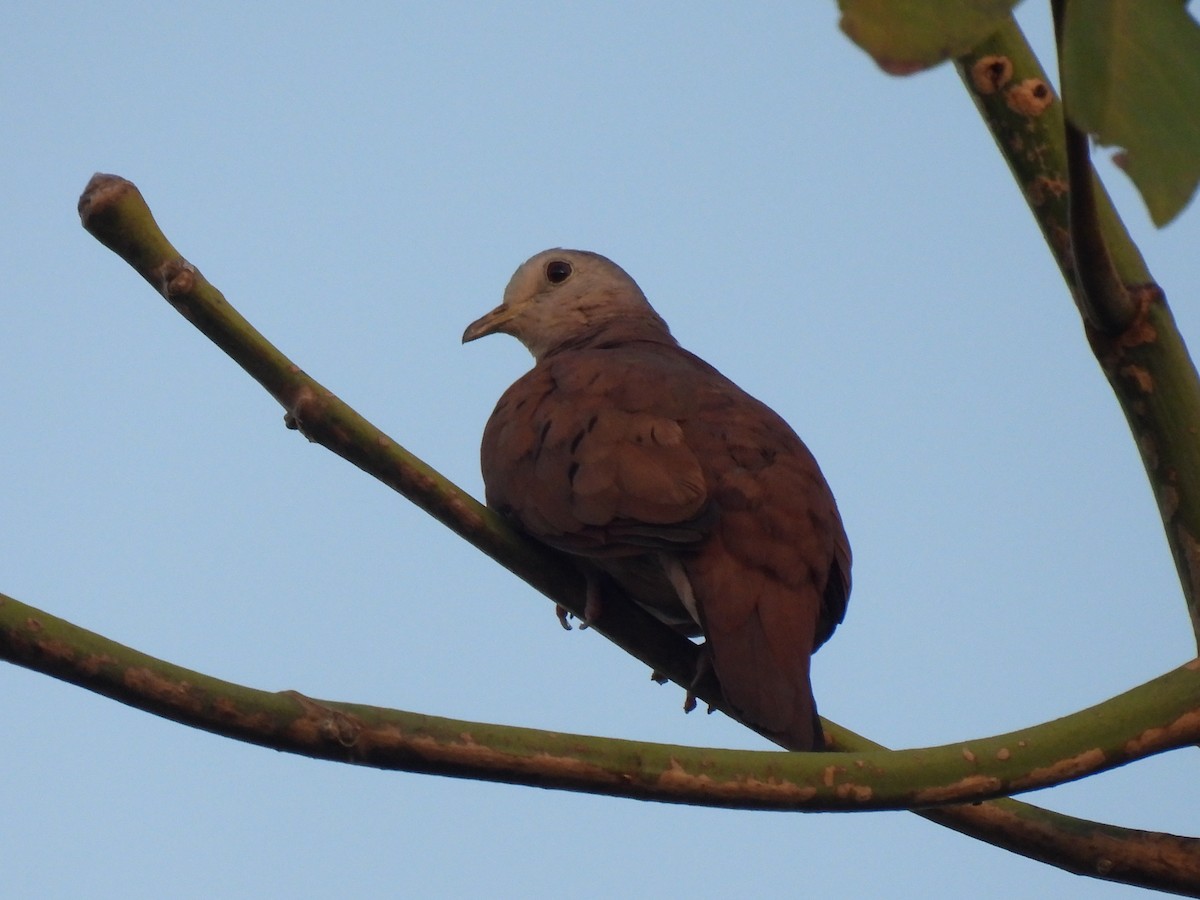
[[624, 448]]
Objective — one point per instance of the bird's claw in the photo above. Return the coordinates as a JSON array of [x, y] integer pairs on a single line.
[[593, 603], [703, 667], [592, 606]]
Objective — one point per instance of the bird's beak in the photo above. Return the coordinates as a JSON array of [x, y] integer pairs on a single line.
[[497, 320]]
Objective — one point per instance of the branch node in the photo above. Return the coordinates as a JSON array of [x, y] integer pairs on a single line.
[[178, 278], [329, 725], [304, 407]]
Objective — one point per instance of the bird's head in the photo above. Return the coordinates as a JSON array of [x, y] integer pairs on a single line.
[[561, 298]]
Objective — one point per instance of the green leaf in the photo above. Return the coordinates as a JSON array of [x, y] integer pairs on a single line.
[[1131, 77], [906, 36]]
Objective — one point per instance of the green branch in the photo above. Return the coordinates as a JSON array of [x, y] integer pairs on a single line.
[[115, 213], [1161, 715], [1143, 355]]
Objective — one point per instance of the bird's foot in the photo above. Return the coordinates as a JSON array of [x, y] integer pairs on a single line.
[[689, 698], [703, 668], [593, 604]]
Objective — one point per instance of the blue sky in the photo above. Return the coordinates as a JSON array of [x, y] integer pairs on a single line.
[[845, 245]]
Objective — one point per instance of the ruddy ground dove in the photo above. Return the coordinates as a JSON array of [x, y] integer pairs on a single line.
[[621, 448]]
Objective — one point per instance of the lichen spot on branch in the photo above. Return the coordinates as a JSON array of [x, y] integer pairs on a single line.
[[1029, 98], [991, 73], [1044, 189], [1139, 377]]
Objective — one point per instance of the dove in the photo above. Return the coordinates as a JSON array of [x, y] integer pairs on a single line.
[[644, 463]]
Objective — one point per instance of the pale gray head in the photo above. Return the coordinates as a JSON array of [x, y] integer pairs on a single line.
[[561, 298]]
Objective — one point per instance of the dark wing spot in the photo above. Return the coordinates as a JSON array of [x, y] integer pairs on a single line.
[[572, 471], [541, 441], [752, 458], [575, 440]]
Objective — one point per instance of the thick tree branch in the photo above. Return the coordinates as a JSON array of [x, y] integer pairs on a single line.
[[1161, 715], [1142, 354], [112, 210]]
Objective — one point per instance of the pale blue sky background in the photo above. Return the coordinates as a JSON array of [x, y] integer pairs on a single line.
[[361, 182]]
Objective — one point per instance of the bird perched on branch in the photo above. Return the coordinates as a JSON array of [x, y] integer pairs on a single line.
[[624, 449]]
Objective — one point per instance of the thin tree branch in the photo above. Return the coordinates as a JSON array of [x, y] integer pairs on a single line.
[[1104, 300], [1145, 359], [1148, 859], [115, 213], [1162, 715]]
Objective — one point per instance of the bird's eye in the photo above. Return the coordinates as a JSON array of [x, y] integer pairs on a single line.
[[558, 271]]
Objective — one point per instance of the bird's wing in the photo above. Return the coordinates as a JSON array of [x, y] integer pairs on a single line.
[[769, 582], [586, 452]]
